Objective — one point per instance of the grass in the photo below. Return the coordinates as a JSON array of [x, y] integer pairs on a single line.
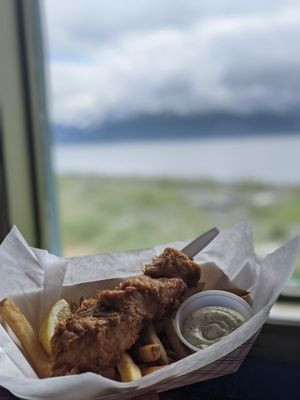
[[101, 214]]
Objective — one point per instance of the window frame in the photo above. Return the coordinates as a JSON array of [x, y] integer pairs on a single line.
[[25, 139]]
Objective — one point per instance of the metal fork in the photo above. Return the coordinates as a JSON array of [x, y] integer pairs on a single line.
[[200, 242]]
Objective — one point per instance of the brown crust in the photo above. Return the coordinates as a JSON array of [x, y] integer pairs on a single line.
[[173, 263]]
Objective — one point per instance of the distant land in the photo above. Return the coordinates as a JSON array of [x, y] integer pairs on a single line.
[[168, 126]]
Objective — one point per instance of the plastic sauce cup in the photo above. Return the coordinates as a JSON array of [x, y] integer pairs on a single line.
[[208, 298]]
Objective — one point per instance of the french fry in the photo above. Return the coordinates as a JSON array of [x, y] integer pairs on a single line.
[[179, 348], [149, 352], [237, 291], [248, 299], [128, 369], [244, 294], [149, 370], [152, 338], [171, 360], [172, 355], [13, 316], [134, 350]]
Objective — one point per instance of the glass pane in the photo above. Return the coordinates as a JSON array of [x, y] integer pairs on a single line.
[[171, 117]]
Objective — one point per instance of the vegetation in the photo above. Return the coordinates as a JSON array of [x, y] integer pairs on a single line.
[[101, 214]]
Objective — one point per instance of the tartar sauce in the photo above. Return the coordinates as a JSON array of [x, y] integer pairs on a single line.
[[209, 324]]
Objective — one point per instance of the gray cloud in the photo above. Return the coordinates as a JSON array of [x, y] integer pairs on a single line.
[[116, 59]]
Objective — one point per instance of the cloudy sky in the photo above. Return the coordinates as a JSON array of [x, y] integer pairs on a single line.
[[118, 59]]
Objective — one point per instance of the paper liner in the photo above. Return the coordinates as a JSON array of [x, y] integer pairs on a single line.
[[36, 279]]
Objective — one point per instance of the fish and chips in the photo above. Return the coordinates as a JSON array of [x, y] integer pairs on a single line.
[[121, 334]]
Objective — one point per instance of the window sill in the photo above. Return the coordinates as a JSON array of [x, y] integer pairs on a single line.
[[279, 338], [285, 313]]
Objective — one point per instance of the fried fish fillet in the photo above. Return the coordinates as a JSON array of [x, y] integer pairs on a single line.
[[174, 263], [96, 335]]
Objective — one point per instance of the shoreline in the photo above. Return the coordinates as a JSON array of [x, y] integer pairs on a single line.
[[273, 160]]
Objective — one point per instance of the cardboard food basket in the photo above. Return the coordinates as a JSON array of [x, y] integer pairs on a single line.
[[35, 280]]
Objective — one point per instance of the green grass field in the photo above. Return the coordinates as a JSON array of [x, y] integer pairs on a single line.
[[108, 214]]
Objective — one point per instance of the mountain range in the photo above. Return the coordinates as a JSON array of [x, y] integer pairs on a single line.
[[169, 126]]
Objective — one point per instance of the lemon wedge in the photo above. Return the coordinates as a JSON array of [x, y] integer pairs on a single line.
[[59, 311]]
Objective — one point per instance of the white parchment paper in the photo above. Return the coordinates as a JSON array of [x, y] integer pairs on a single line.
[[35, 279]]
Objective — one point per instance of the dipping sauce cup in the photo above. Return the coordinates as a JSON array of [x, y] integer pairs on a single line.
[[209, 298]]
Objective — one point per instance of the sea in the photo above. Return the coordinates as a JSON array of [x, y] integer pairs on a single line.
[[271, 159]]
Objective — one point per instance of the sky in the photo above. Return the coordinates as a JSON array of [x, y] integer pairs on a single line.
[[116, 59]]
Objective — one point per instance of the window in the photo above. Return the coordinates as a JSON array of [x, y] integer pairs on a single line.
[[171, 117], [27, 195]]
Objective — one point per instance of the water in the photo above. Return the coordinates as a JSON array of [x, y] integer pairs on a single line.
[[269, 159]]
